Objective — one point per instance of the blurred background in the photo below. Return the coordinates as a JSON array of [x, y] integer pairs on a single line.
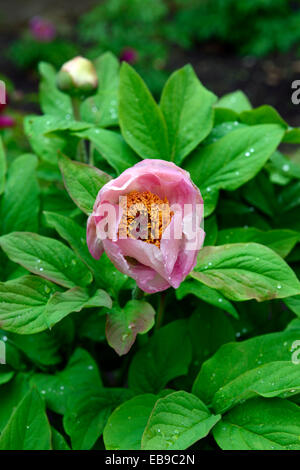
[[252, 45]]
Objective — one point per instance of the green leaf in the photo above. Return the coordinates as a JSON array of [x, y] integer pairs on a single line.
[[262, 115], [276, 378], [244, 271], [285, 165], [28, 427], [112, 147], [74, 234], [57, 200], [5, 375], [292, 135], [238, 371], [48, 138], [294, 325], [43, 349], [58, 440], [73, 300], [102, 108], [187, 108], [82, 181], [224, 115], [220, 130], [123, 324], [293, 303], [208, 329], [2, 167], [210, 202], [141, 120], [236, 101], [125, 426], [260, 424], [67, 387], [52, 100], [289, 198], [234, 159], [85, 422], [260, 193], [46, 257], [11, 394], [166, 356], [211, 231], [23, 303], [176, 422], [206, 294], [105, 273], [281, 241], [19, 207]]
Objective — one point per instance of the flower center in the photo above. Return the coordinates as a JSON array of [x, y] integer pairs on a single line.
[[145, 217]]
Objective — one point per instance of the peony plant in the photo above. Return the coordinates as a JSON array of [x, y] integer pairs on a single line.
[[149, 294]]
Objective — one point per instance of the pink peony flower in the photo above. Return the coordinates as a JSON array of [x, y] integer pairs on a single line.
[[6, 121], [157, 248], [129, 55], [42, 30]]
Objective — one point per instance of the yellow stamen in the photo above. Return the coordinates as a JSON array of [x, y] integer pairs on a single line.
[[150, 206]]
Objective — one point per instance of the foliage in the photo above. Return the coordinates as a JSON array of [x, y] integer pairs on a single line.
[[252, 26], [152, 28], [221, 368]]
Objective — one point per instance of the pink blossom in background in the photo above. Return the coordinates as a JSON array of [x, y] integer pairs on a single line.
[[129, 54], [6, 121], [42, 30], [155, 264]]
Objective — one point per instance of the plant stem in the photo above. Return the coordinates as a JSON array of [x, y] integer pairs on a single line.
[[76, 108], [91, 154], [81, 151], [137, 293], [160, 310]]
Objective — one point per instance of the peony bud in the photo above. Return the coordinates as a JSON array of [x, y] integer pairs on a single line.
[[78, 76]]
